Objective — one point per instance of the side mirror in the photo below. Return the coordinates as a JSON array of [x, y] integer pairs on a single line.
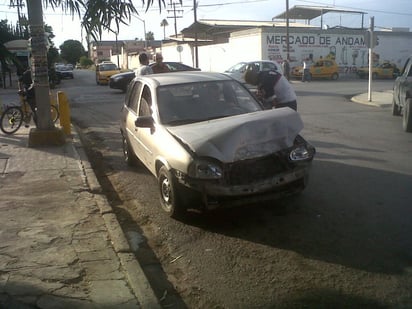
[[144, 122]]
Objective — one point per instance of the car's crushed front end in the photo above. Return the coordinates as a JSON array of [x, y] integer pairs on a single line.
[[242, 163], [248, 181]]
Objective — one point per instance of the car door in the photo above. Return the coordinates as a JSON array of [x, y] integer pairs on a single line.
[[129, 114], [145, 137]]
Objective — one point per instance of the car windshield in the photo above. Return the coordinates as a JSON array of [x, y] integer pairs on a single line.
[[108, 67], [62, 68], [201, 101], [239, 67]]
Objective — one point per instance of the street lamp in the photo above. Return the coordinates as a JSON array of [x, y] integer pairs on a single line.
[[144, 29]]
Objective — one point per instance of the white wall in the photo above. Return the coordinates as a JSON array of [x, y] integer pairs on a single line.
[[348, 48]]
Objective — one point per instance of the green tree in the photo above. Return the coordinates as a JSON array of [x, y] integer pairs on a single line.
[[85, 62], [71, 51], [149, 36], [7, 33], [164, 24]]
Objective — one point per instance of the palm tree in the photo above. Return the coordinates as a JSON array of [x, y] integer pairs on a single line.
[[96, 16], [164, 24]]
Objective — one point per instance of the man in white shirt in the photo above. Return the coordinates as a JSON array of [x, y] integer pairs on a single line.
[[274, 90], [306, 70], [144, 68]]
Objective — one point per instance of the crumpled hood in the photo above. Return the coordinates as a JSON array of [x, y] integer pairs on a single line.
[[241, 137]]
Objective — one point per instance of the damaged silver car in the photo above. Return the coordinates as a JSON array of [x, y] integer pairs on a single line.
[[209, 142]]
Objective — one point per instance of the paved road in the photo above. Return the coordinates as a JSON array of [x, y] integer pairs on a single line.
[[344, 242]]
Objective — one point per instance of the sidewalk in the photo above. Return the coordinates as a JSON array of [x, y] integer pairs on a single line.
[[61, 245]]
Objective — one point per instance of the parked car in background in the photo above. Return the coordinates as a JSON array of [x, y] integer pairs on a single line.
[[104, 71], [238, 70], [384, 70], [402, 96], [322, 68], [63, 71], [210, 143], [120, 81]]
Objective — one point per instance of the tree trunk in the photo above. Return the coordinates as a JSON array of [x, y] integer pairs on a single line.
[[39, 64]]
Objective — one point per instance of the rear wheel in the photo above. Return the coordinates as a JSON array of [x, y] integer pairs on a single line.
[[407, 116], [374, 75], [169, 194], [11, 119], [128, 155], [335, 76]]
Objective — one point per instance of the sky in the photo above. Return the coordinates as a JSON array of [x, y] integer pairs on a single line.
[[387, 14]]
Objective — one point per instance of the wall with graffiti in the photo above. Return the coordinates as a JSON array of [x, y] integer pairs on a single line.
[[348, 50]]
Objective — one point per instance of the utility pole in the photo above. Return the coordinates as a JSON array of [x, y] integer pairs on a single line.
[[196, 47], [287, 31], [371, 42], [175, 14]]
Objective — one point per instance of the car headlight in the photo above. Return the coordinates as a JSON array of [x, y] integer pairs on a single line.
[[203, 169], [300, 153]]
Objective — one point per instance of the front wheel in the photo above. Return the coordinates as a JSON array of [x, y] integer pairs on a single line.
[[335, 76], [11, 119], [407, 116], [169, 194]]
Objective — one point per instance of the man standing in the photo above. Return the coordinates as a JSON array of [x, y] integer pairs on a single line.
[[274, 90], [144, 68], [286, 69], [159, 66], [306, 70]]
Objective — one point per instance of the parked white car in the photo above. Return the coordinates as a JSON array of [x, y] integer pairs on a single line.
[[238, 70], [209, 142]]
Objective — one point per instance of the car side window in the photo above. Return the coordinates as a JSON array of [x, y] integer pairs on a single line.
[[145, 102], [257, 66], [410, 71], [133, 95], [268, 66]]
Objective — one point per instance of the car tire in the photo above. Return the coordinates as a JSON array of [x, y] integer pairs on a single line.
[[170, 200], [128, 154], [374, 75], [396, 111], [335, 76], [407, 116]]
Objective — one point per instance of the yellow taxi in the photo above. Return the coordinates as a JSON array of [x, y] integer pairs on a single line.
[[322, 68], [384, 70], [103, 72]]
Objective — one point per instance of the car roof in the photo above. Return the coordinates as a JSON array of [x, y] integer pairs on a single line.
[[183, 77]]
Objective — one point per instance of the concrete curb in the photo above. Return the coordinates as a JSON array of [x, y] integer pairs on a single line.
[[135, 276], [379, 98]]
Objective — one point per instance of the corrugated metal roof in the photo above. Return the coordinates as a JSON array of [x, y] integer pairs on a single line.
[[304, 12], [207, 28]]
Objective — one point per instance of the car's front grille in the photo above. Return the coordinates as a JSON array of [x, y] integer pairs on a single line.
[[248, 171]]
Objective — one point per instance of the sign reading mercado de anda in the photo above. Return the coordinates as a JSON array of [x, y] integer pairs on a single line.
[[346, 50]]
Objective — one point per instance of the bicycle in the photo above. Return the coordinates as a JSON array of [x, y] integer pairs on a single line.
[[13, 116]]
